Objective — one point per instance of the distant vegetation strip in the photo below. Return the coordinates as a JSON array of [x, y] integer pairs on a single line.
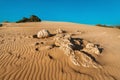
[[118, 26]]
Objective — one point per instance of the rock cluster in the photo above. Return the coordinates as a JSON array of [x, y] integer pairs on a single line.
[[79, 57], [64, 41]]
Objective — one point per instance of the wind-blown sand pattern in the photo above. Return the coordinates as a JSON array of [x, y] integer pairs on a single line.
[[23, 56]]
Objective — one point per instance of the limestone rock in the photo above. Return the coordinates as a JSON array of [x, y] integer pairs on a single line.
[[59, 31], [43, 34], [85, 60], [90, 45], [64, 41], [92, 48]]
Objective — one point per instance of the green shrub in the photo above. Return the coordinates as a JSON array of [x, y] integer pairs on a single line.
[[32, 18], [118, 27], [1, 25], [23, 20], [108, 26], [101, 25]]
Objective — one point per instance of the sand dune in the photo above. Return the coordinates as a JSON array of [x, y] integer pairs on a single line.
[[25, 57]]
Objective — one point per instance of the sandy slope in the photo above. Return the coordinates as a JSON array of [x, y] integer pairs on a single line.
[[23, 57]]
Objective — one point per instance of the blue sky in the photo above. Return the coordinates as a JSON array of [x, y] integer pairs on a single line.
[[78, 11]]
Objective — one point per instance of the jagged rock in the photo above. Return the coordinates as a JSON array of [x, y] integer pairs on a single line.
[[95, 50], [64, 43], [67, 36], [67, 48], [92, 48], [85, 42], [59, 31], [63, 40], [90, 45], [43, 34]]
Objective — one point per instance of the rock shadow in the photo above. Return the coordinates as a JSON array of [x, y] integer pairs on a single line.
[[78, 44], [99, 48], [92, 57]]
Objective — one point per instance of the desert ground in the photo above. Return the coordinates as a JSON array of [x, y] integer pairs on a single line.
[[61, 56]]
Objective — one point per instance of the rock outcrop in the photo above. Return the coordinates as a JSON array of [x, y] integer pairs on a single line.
[[64, 41], [79, 51]]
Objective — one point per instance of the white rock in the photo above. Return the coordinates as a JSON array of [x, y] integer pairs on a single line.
[[43, 34], [96, 51], [59, 31], [93, 48], [90, 45]]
